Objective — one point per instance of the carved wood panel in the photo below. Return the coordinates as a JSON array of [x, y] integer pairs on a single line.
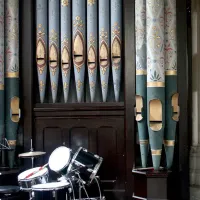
[[101, 135]]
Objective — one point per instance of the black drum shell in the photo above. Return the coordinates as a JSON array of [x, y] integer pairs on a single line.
[[87, 158], [25, 185], [60, 194], [86, 163]]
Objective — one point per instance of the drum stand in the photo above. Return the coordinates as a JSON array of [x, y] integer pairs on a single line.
[[82, 183], [4, 146], [31, 150]]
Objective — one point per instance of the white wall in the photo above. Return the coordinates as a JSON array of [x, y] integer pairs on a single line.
[[195, 149]]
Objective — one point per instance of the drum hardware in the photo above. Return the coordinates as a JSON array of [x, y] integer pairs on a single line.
[[4, 146], [77, 170], [40, 177], [54, 190], [36, 171], [90, 164], [32, 154]]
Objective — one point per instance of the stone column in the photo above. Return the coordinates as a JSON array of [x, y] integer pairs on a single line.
[[195, 148]]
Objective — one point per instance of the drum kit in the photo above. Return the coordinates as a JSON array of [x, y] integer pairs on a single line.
[[77, 171]]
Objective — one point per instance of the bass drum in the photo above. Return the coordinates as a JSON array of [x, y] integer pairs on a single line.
[[51, 191], [38, 178], [86, 163], [60, 159]]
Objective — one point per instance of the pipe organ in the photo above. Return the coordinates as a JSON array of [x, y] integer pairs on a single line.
[[80, 43], [157, 109]]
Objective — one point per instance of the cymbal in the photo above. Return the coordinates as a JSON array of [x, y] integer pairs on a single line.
[[31, 154]]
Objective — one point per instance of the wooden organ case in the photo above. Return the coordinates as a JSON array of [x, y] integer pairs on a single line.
[[106, 128]]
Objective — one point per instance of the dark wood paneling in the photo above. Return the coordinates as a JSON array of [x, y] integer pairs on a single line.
[[129, 54], [184, 100], [78, 137], [27, 60], [102, 135]]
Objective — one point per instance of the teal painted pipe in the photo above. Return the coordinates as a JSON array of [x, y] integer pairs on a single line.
[[172, 108], [2, 93], [155, 78], [141, 79], [12, 75]]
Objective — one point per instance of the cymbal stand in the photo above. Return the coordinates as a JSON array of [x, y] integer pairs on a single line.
[[30, 195], [32, 158]]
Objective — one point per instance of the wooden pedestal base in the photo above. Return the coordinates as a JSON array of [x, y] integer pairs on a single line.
[[151, 185]]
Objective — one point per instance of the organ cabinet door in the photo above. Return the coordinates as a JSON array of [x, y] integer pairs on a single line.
[[78, 83]]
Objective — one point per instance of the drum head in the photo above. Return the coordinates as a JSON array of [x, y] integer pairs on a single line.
[[27, 172], [59, 158], [50, 186]]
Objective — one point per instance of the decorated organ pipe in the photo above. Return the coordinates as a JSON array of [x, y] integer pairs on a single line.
[[155, 78], [79, 50], [12, 75], [2, 93], [41, 46], [66, 46], [92, 46], [116, 46], [104, 45], [141, 79], [54, 46], [172, 108], [73, 34]]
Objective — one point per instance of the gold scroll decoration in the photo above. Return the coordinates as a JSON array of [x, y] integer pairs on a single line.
[[139, 106], [78, 51], [155, 112], [91, 59], [175, 106], [41, 56], [104, 57], [53, 55], [15, 111], [65, 60], [116, 51]]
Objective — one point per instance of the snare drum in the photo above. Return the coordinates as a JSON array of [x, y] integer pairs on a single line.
[[86, 163], [60, 159], [38, 178], [51, 191]]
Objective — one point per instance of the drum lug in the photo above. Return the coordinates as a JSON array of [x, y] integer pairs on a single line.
[[54, 194], [96, 156]]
